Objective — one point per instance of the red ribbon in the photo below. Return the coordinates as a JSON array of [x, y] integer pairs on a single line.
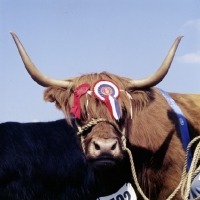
[[80, 91], [107, 102]]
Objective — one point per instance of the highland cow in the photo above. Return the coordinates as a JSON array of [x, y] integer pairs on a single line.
[[109, 108]]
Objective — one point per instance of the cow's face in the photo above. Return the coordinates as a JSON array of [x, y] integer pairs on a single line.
[[103, 146]]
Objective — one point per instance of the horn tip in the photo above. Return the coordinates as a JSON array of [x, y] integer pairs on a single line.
[[13, 34], [180, 37]]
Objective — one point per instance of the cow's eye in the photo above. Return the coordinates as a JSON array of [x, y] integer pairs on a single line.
[[85, 132]]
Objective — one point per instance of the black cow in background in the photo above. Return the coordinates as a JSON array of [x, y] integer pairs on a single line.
[[43, 160]]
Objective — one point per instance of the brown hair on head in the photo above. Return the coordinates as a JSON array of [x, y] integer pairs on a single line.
[[64, 97]]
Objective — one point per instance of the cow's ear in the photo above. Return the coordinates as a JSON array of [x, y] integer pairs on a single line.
[[50, 95]]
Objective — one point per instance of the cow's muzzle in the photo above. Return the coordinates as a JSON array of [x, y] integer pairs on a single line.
[[104, 153]]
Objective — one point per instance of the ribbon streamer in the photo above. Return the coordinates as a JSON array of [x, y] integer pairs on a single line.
[[113, 106], [78, 93]]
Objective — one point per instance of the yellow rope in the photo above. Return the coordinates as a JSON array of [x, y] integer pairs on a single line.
[[89, 124], [193, 171], [186, 178], [134, 176], [123, 140]]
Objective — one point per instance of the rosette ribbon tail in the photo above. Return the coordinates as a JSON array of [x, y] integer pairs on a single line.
[[76, 110], [80, 91], [113, 106]]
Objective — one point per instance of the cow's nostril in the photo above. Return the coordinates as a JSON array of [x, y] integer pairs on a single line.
[[114, 146], [96, 146]]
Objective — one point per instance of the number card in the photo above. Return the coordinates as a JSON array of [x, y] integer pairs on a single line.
[[124, 193]]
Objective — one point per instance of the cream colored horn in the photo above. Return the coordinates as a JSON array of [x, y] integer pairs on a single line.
[[159, 74], [35, 74]]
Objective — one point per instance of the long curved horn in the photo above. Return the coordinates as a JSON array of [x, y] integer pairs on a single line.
[[35, 74], [159, 74]]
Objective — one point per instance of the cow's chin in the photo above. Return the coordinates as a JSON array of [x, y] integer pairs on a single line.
[[104, 163]]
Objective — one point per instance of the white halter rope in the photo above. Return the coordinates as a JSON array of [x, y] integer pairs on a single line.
[[93, 122]]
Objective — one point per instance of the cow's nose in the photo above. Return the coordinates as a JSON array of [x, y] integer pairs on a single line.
[[109, 146]]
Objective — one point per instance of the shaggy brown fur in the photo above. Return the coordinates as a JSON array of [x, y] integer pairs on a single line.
[[152, 133], [63, 98]]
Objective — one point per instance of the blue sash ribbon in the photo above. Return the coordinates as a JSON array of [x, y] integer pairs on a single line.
[[185, 137]]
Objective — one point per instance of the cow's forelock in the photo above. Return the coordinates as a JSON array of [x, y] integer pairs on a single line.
[[64, 98]]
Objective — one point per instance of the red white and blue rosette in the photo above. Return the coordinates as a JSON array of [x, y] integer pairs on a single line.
[[108, 92]]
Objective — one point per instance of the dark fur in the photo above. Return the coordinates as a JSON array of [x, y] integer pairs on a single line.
[[43, 161]]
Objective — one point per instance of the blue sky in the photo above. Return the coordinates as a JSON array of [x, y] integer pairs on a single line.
[[67, 38]]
